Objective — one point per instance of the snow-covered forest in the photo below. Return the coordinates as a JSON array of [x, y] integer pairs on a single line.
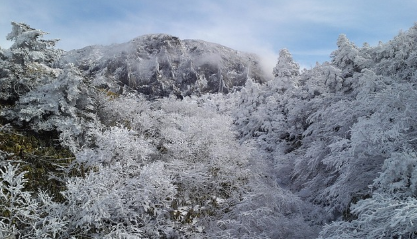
[[326, 152]]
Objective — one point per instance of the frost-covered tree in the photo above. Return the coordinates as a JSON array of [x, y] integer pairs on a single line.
[[18, 209], [41, 96], [196, 170], [391, 210], [384, 143], [286, 71], [345, 56], [27, 63], [64, 103], [27, 48], [341, 123], [262, 109]]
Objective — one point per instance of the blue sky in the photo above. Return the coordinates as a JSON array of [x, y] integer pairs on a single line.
[[309, 29]]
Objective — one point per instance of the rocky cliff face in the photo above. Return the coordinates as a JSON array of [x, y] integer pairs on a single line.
[[159, 65]]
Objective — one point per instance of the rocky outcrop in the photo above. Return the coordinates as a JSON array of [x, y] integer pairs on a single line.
[[159, 65]]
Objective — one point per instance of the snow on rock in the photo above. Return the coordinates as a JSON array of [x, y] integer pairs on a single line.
[[158, 65]]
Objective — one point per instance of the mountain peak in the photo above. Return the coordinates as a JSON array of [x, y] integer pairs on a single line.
[[160, 64]]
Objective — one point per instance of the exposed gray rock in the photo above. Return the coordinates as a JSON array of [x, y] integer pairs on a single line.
[[159, 65]]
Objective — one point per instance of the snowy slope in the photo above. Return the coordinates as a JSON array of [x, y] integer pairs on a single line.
[[158, 65]]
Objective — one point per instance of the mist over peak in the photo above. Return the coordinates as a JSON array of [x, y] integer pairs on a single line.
[[160, 64]]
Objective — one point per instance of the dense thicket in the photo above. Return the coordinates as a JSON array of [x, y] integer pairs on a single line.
[[343, 134], [330, 150]]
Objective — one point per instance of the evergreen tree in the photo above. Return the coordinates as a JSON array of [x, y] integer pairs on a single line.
[[27, 63]]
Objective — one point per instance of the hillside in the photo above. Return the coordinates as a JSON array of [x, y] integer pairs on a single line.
[[159, 65]]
